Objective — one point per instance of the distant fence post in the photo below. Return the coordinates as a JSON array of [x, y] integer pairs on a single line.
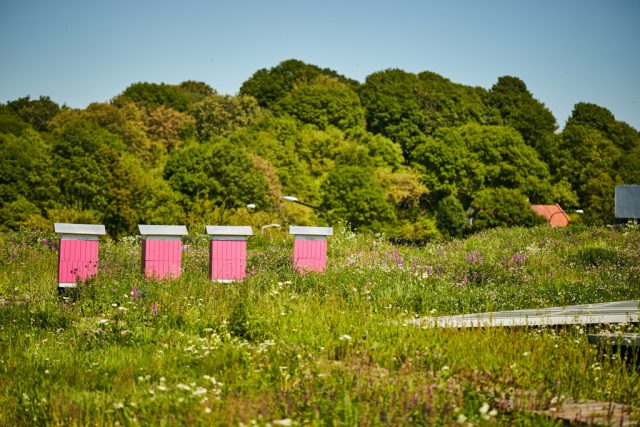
[[78, 254], [228, 252], [310, 248], [162, 250]]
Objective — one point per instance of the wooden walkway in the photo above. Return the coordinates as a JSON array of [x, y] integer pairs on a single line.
[[585, 314]]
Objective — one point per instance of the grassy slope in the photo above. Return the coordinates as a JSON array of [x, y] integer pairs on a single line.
[[317, 349]]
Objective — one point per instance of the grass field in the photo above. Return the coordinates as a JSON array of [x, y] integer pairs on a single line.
[[332, 349]]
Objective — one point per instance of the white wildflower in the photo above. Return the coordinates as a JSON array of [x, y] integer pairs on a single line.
[[199, 391], [345, 338]]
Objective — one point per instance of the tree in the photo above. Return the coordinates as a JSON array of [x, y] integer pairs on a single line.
[[169, 127], [218, 171], [495, 207], [123, 118], [351, 193], [10, 122], [382, 150], [466, 159], [268, 86], [323, 102], [522, 111], [15, 214], [628, 166], [445, 104], [26, 170], [279, 140], [450, 217], [37, 113], [598, 198], [153, 95], [585, 153], [392, 108], [90, 174], [598, 118], [196, 91], [403, 190], [218, 115]]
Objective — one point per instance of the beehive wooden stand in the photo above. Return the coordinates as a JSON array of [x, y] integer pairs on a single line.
[[78, 255], [310, 248], [162, 250], [228, 252]]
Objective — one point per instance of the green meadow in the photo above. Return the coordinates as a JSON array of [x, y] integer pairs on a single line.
[[333, 349]]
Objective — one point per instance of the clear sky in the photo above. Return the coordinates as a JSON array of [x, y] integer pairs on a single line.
[[83, 51]]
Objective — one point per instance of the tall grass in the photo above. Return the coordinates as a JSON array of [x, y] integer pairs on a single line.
[[332, 349]]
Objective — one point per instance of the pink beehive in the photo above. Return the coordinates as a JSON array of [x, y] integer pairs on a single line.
[[78, 256], [162, 250], [228, 252], [310, 248]]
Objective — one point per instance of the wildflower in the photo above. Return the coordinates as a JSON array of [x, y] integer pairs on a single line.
[[461, 419], [345, 338], [283, 422], [154, 308], [484, 408], [398, 258], [134, 293], [118, 405], [199, 391]]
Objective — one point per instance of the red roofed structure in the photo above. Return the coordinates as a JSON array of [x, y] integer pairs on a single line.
[[554, 214]]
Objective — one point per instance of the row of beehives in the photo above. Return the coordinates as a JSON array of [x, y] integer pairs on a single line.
[[162, 251]]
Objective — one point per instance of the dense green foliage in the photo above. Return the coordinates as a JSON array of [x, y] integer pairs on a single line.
[[383, 155], [333, 349]]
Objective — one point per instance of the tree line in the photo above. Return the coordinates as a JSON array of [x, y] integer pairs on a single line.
[[410, 155]]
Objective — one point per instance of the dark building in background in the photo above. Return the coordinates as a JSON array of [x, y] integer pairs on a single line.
[[627, 203]]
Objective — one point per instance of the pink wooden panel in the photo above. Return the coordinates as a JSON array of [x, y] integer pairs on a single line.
[[78, 260], [162, 259], [310, 255], [228, 259]]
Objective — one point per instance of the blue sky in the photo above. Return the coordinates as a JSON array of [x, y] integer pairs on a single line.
[[83, 51]]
